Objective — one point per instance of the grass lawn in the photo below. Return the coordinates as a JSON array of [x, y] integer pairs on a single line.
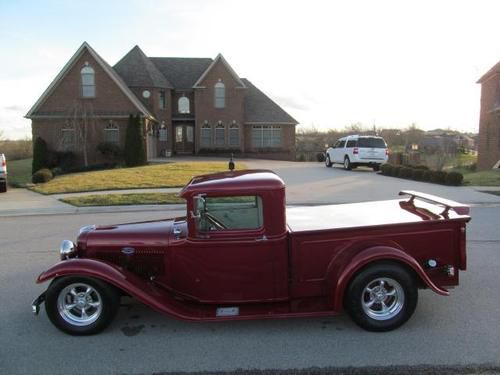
[[123, 199], [483, 178], [150, 176], [19, 172]]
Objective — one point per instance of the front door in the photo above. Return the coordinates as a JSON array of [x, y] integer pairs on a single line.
[[184, 139]]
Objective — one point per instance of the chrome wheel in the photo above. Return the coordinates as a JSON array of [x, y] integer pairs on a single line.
[[79, 304], [382, 298]]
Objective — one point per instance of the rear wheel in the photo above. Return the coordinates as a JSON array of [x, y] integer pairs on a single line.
[[328, 162], [347, 164], [81, 305], [3, 186], [382, 297]]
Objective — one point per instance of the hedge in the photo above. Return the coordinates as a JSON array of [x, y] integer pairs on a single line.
[[422, 173]]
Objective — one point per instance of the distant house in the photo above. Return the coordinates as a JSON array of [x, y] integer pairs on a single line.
[[189, 106], [489, 120]]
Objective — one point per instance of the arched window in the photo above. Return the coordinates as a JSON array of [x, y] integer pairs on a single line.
[[183, 105], [234, 135], [220, 95], [206, 135], [112, 133], [88, 82], [220, 134]]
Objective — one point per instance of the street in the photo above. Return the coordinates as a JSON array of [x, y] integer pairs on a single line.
[[463, 329]]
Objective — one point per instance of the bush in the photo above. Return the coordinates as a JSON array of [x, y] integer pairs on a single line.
[[395, 170], [56, 171], [438, 177], [405, 172], [427, 176], [110, 151], [65, 160], [386, 169], [418, 174], [301, 157], [41, 155], [422, 167], [454, 178], [41, 176], [320, 156]]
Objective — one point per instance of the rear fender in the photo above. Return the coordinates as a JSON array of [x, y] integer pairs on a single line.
[[341, 276], [143, 290]]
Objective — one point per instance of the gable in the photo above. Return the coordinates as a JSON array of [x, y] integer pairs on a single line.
[[111, 92], [181, 72], [219, 67]]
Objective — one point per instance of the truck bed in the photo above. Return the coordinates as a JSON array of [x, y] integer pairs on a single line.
[[367, 214]]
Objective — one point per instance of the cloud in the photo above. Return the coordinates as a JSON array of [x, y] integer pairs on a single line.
[[14, 107]]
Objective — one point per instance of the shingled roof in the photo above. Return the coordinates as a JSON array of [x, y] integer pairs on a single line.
[[259, 108], [137, 70], [182, 72], [494, 70]]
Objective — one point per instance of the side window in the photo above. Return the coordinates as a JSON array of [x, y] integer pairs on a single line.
[[351, 143], [341, 144], [226, 213]]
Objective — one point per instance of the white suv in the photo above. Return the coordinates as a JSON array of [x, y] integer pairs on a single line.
[[356, 150], [3, 174]]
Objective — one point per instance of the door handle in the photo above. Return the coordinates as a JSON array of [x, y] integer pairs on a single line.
[[263, 238]]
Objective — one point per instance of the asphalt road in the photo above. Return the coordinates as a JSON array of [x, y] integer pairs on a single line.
[[463, 329]]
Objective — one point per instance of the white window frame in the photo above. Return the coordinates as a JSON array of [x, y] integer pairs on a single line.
[[206, 135], [87, 81], [65, 144], [220, 129], [183, 105], [234, 135], [219, 95], [112, 133], [267, 136], [162, 99]]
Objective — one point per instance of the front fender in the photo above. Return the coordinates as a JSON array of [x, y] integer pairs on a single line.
[[142, 290], [374, 254]]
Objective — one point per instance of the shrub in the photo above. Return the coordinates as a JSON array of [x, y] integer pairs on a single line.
[[386, 169], [134, 152], [438, 177], [301, 157], [56, 171], [405, 172], [320, 156], [418, 174], [41, 155], [420, 166], [454, 178], [427, 176], [41, 176], [65, 160], [109, 150]]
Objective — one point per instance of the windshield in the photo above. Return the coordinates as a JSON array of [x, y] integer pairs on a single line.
[[371, 142]]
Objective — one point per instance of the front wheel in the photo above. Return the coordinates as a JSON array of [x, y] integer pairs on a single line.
[[347, 164], [3, 186], [81, 305], [382, 297], [328, 162]]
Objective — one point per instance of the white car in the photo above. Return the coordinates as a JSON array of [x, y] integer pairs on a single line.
[[358, 150], [3, 174]]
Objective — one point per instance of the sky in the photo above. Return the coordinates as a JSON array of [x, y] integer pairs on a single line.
[[328, 63]]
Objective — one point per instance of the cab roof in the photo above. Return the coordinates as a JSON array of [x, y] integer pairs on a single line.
[[237, 182]]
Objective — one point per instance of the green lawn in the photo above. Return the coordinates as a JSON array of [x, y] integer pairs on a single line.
[[483, 178], [151, 176], [123, 199], [19, 172]]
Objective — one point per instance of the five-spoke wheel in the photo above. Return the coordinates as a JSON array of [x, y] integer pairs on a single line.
[[81, 305]]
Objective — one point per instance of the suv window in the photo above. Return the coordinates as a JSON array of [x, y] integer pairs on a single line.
[[237, 212], [351, 143], [371, 142], [341, 144]]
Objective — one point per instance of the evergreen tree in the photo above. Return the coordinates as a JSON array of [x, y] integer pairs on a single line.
[[134, 143], [41, 155]]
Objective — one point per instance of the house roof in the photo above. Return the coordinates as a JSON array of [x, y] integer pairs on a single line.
[[259, 108], [138, 71], [228, 67], [181, 72], [104, 65], [489, 73]]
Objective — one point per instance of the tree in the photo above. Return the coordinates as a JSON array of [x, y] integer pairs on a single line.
[[82, 120], [40, 155], [134, 152]]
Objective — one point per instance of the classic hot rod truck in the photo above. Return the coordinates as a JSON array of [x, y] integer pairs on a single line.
[[240, 254]]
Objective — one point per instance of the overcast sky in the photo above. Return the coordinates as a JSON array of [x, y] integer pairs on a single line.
[[328, 63]]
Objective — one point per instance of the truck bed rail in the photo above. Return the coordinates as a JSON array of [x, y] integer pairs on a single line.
[[459, 208]]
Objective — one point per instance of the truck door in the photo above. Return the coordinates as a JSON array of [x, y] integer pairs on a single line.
[[231, 260]]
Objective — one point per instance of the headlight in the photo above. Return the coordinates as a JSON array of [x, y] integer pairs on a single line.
[[67, 249]]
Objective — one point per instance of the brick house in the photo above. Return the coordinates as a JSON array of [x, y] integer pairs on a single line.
[[188, 106], [489, 120]]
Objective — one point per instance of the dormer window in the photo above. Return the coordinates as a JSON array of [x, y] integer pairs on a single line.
[[220, 95], [88, 81], [183, 105]]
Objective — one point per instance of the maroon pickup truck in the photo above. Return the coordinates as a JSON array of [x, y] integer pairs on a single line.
[[240, 254]]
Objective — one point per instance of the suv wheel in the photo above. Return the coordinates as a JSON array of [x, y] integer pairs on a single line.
[[347, 164], [3, 186], [328, 162]]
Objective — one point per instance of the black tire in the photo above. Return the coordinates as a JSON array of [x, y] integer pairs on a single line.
[[68, 320], [399, 296], [328, 163], [347, 164], [3, 186], [376, 167]]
